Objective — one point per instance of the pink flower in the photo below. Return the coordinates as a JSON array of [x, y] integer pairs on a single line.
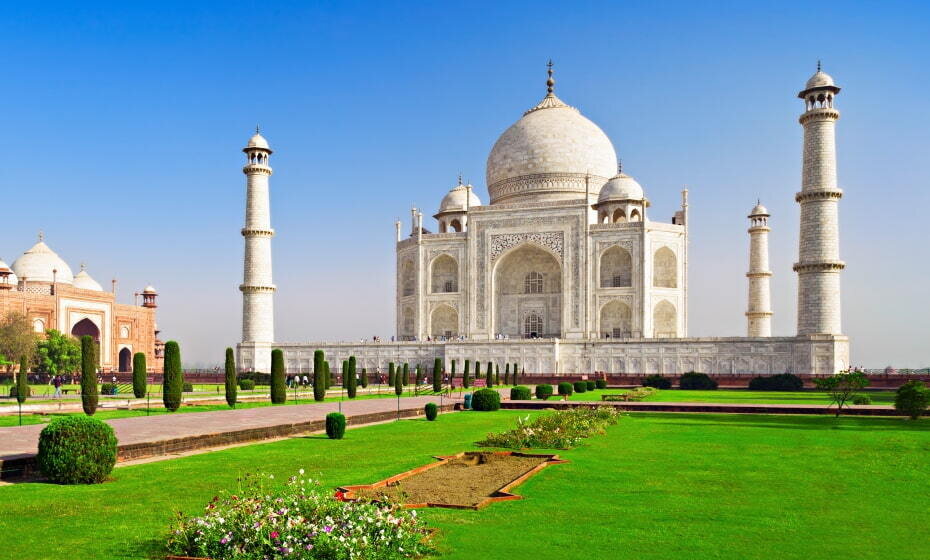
[[275, 534], [328, 529]]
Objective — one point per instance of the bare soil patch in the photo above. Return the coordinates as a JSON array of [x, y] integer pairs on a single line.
[[468, 480]]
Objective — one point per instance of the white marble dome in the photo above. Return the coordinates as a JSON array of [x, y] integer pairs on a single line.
[[11, 279], [455, 200], [819, 79], [37, 264], [84, 281], [547, 154], [258, 141], [759, 210], [620, 187]]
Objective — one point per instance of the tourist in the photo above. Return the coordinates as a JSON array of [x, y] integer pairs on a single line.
[[56, 381]]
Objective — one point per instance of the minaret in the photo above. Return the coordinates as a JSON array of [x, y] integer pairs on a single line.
[[257, 287], [759, 312], [819, 263]]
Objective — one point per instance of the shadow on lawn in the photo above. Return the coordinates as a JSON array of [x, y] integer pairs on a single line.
[[846, 423]]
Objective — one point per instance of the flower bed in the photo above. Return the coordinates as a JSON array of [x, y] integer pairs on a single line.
[[297, 519], [561, 429], [637, 394]]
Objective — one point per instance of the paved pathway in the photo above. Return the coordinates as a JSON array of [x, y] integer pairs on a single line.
[[19, 441]]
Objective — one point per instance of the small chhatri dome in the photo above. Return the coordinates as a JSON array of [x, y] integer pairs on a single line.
[[149, 290], [549, 154], [84, 281], [759, 210], [41, 264], [258, 141], [819, 81], [455, 199], [620, 187]]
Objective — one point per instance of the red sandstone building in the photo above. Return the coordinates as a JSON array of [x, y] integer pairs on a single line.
[[41, 286]]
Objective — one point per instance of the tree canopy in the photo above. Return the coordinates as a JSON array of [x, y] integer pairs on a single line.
[[58, 354]]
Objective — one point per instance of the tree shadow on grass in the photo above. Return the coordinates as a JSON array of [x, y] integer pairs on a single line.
[[805, 422]]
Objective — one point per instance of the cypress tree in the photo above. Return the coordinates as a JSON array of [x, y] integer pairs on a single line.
[[391, 373], [88, 375], [352, 379], [466, 375], [490, 376], [364, 378], [405, 377], [437, 375], [231, 386], [173, 384], [452, 373], [506, 374], [345, 373], [319, 368], [22, 381], [417, 376], [278, 386], [516, 378], [139, 369], [328, 374], [477, 370], [398, 385], [497, 374]]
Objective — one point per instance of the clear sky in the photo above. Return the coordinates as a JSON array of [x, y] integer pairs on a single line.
[[123, 125]]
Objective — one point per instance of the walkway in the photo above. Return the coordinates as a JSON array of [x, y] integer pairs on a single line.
[[147, 436]]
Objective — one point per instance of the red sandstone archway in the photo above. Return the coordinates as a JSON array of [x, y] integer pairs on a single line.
[[125, 360], [86, 327]]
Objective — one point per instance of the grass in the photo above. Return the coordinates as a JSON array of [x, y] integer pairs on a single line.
[[12, 419], [654, 487], [740, 396]]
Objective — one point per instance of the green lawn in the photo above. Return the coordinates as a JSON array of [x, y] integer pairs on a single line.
[[157, 408], [737, 396], [655, 487]]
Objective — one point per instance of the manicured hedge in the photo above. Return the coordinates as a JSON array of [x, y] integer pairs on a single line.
[[581, 386], [591, 385], [486, 399], [565, 388], [246, 384], [912, 399], [188, 388], [657, 381], [431, 410], [77, 450], [520, 393], [543, 391], [335, 425], [695, 381], [780, 382], [600, 383], [861, 399]]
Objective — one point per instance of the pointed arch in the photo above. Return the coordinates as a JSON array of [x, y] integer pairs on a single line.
[[527, 280], [444, 321], [665, 320], [665, 269], [616, 268], [619, 216], [444, 274], [616, 320], [407, 278]]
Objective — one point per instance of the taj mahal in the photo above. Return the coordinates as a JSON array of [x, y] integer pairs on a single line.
[[567, 269]]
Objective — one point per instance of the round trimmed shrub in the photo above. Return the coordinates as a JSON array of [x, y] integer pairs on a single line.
[[77, 450], [861, 399], [912, 399], [600, 384], [520, 393], [335, 425], [487, 400], [14, 392], [108, 389], [657, 381], [246, 384], [591, 385], [780, 382], [543, 391], [431, 410], [565, 388], [580, 386], [188, 388], [695, 381]]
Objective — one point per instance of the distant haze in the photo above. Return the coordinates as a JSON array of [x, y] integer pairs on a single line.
[[123, 129]]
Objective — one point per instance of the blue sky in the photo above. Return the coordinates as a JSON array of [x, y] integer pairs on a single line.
[[124, 122]]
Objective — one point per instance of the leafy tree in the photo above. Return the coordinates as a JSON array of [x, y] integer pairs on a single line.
[[319, 370], [912, 399], [57, 354], [88, 375], [139, 370], [437, 375], [352, 380], [173, 384], [17, 339], [391, 373], [22, 381], [842, 386], [278, 386], [232, 387]]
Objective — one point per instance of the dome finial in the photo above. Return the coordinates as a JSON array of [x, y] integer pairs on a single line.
[[549, 82], [83, 267], [818, 65], [460, 179], [41, 236], [257, 129], [619, 166]]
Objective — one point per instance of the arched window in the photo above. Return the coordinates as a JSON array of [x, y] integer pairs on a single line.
[[665, 269], [619, 216], [616, 268], [124, 331], [532, 326], [444, 275], [407, 278], [635, 216], [38, 325], [533, 283], [665, 320], [456, 225]]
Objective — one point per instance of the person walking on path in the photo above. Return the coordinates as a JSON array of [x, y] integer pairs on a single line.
[[56, 381]]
